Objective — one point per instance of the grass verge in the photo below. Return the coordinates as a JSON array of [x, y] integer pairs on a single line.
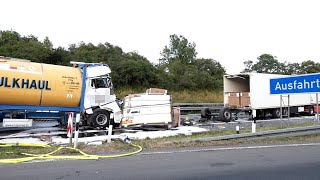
[[166, 143]]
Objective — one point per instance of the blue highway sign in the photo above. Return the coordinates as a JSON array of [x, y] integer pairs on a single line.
[[295, 84]]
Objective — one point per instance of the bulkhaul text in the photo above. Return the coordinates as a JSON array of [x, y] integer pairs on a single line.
[[24, 83]]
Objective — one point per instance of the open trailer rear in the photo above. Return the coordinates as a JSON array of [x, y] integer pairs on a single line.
[[250, 92]]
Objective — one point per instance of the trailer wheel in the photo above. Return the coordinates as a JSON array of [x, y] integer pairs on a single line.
[[206, 113], [261, 114], [100, 118], [276, 113], [311, 110], [285, 111], [225, 114]]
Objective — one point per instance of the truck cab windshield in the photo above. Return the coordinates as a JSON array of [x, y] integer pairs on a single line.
[[103, 82]]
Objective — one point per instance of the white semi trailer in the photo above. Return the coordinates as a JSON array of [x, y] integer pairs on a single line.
[[250, 92]]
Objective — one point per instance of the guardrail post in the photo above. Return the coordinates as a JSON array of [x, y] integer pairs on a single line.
[[253, 129], [76, 132], [238, 129], [109, 133]]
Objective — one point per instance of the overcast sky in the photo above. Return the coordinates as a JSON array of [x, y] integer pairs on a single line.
[[229, 31]]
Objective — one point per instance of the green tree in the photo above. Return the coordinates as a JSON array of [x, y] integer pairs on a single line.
[[266, 63], [247, 66], [309, 67], [60, 56], [179, 49], [127, 69], [210, 74], [182, 70], [290, 68], [28, 47]]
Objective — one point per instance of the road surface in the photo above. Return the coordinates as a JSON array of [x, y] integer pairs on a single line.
[[297, 162]]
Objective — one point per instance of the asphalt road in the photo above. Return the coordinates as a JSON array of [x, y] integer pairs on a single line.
[[301, 162]]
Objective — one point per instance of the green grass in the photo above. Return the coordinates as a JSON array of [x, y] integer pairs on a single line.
[[197, 96], [14, 152], [185, 96]]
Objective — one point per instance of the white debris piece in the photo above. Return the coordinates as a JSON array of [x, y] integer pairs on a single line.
[[185, 130], [95, 143], [23, 140]]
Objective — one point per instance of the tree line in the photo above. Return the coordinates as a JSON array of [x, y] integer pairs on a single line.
[[179, 68], [267, 63]]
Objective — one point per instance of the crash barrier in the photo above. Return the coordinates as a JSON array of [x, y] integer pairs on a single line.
[[83, 155], [198, 106]]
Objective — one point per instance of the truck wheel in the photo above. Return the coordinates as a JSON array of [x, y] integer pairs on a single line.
[[285, 111], [100, 118], [276, 113], [206, 113], [311, 110], [261, 114], [225, 115]]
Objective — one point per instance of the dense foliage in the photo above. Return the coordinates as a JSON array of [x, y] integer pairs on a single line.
[[269, 64], [178, 67]]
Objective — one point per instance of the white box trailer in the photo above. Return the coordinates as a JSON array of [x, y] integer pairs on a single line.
[[250, 92]]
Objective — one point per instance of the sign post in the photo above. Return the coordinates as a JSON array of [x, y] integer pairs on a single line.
[[281, 106], [317, 107], [309, 83], [70, 124], [288, 107]]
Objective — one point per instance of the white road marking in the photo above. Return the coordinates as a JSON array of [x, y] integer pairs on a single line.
[[231, 148]]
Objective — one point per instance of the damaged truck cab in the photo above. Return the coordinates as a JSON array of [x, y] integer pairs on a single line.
[[100, 107]]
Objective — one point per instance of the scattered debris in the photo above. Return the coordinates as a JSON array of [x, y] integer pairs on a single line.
[[23, 140], [183, 130]]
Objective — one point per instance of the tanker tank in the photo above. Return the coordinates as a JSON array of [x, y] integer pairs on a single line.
[[38, 84]]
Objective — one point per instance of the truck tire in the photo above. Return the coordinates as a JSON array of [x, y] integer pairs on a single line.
[[311, 111], [276, 113], [225, 114], [100, 118], [261, 114], [206, 113]]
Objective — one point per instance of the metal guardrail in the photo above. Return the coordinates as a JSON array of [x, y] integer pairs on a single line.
[[285, 132], [197, 106]]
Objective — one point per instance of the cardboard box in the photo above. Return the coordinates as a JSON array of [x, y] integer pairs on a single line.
[[154, 91]]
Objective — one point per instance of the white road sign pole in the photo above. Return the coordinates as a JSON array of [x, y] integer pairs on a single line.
[[317, 107]]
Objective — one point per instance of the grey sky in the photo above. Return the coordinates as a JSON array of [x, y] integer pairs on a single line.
[[229, 31]]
